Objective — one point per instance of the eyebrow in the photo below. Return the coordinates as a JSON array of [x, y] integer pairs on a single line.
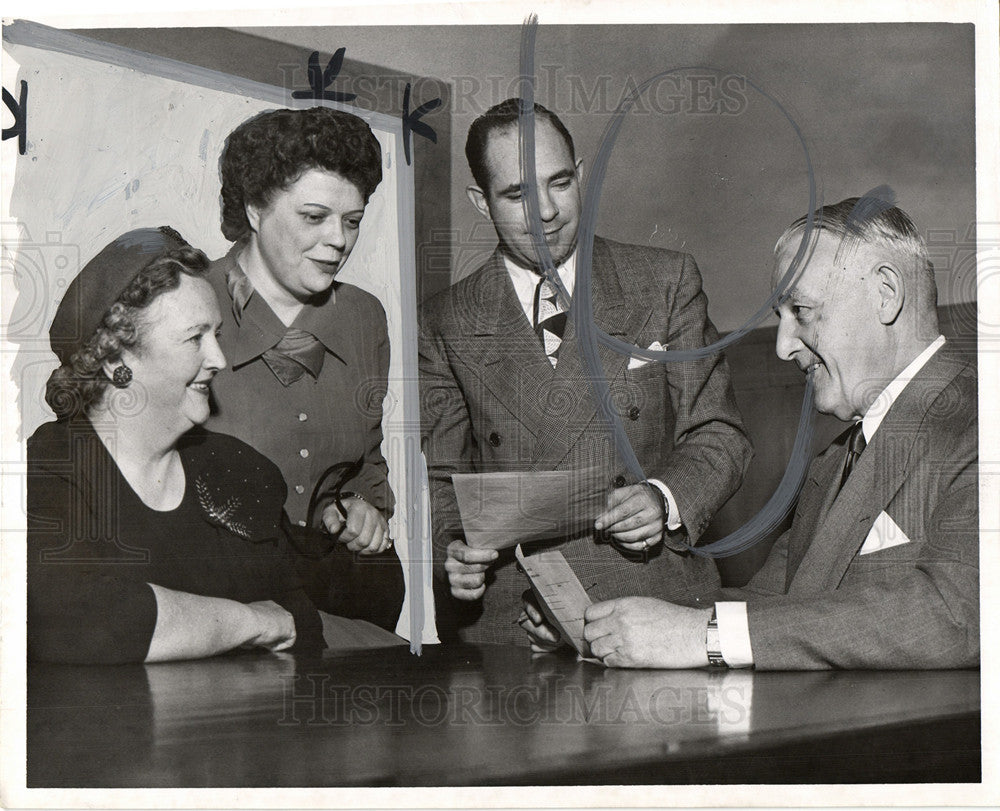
[[519, 188], [358, 211], [204, 326]]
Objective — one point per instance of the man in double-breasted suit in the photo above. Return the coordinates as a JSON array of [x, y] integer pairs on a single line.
[[501, 391], [880, 568]]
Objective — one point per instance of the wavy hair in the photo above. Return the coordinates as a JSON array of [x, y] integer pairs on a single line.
[[270, 151], [869, 220], [75, 387]]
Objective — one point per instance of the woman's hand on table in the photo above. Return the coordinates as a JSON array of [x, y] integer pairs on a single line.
[[275, 626], [364, 528]]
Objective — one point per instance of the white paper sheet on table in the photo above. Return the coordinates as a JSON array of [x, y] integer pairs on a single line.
[[501, 510]]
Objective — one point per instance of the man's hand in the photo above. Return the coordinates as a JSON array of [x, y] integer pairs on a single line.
[[544, 638], [365, 530], [274, 625], [634, 517], [466, 567], [644, 632]]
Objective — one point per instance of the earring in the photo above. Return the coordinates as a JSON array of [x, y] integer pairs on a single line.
[[122, 376]]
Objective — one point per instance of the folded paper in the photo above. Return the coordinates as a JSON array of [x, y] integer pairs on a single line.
[[560, 595]]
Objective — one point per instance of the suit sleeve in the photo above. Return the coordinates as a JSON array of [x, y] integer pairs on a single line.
[[78, 611], [921, 613], [711, 449], [769, 580], [447, 439]]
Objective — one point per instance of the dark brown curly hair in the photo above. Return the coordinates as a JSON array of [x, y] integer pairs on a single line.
[[75, 387], [270, 151]]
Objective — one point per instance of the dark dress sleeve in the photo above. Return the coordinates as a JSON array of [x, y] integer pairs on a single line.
[[78, 611], [231, 462]]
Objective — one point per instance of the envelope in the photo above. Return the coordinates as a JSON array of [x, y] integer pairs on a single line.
[[638, 363], [884, 534]]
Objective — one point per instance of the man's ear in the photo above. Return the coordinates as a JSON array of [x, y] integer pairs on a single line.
[[891, 293], [478, 198], [579, 170]]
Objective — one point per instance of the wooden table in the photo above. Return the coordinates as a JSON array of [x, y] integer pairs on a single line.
[[489, 715]]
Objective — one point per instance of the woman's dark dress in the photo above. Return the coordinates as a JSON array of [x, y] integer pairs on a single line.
[[93, 545]]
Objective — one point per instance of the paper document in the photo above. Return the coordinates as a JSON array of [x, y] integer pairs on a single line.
[[501, 510], [560, 595]]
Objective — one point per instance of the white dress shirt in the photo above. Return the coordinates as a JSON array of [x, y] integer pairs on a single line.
[[525, 281], [734, 629]]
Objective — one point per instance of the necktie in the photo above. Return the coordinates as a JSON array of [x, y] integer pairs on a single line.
[[550, 319], [855, 445], [294, 355]]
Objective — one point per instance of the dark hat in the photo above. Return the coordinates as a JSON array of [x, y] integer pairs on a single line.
[[91, 294]]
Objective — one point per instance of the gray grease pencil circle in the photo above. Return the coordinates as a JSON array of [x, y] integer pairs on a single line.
[[589, 335]]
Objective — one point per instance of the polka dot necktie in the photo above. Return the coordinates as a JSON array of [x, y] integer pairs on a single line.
[[550, 319]]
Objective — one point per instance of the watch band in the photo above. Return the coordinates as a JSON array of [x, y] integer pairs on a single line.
[[713, 647]]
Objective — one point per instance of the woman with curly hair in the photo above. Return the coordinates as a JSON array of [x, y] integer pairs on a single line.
[[309, 354], [145, 540]]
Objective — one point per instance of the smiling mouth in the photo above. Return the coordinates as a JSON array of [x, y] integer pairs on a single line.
[[812, 367], [201, 386], [327, 266]]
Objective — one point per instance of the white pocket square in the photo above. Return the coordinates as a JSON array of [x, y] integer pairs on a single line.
[[637, 363], [885, 533]]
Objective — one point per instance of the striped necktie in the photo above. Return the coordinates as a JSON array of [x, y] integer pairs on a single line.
[[550, 319], [855, 446]]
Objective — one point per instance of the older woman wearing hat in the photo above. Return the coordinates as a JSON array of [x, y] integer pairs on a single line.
[[309, 354], [150, 538]]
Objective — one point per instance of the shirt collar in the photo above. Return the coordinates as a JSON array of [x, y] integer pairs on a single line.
[[525, 280], [259, 329], [880, 407]]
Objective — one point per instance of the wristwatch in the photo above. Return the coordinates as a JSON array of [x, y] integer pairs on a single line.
[[712, 645]]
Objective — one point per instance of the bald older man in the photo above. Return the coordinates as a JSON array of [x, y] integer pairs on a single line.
[[880, 568]]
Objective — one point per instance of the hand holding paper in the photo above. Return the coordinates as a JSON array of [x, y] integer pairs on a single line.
[[466, 569], [560, 595]]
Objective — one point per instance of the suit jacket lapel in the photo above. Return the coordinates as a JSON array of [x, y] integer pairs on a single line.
[[619, 316], [817, 497], [877, 477], [504, 348], [841, 531]]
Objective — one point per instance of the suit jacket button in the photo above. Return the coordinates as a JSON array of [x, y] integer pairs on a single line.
[[633, 413], [495, 439], [619, 481]]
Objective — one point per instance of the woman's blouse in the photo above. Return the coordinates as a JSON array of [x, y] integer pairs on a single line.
[[94, 546], [316, 421]]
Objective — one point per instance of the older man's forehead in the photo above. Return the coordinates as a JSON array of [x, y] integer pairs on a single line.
[[827, 258]]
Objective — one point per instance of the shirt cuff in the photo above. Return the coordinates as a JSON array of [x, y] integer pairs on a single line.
[[734, 634], [673, 514]]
